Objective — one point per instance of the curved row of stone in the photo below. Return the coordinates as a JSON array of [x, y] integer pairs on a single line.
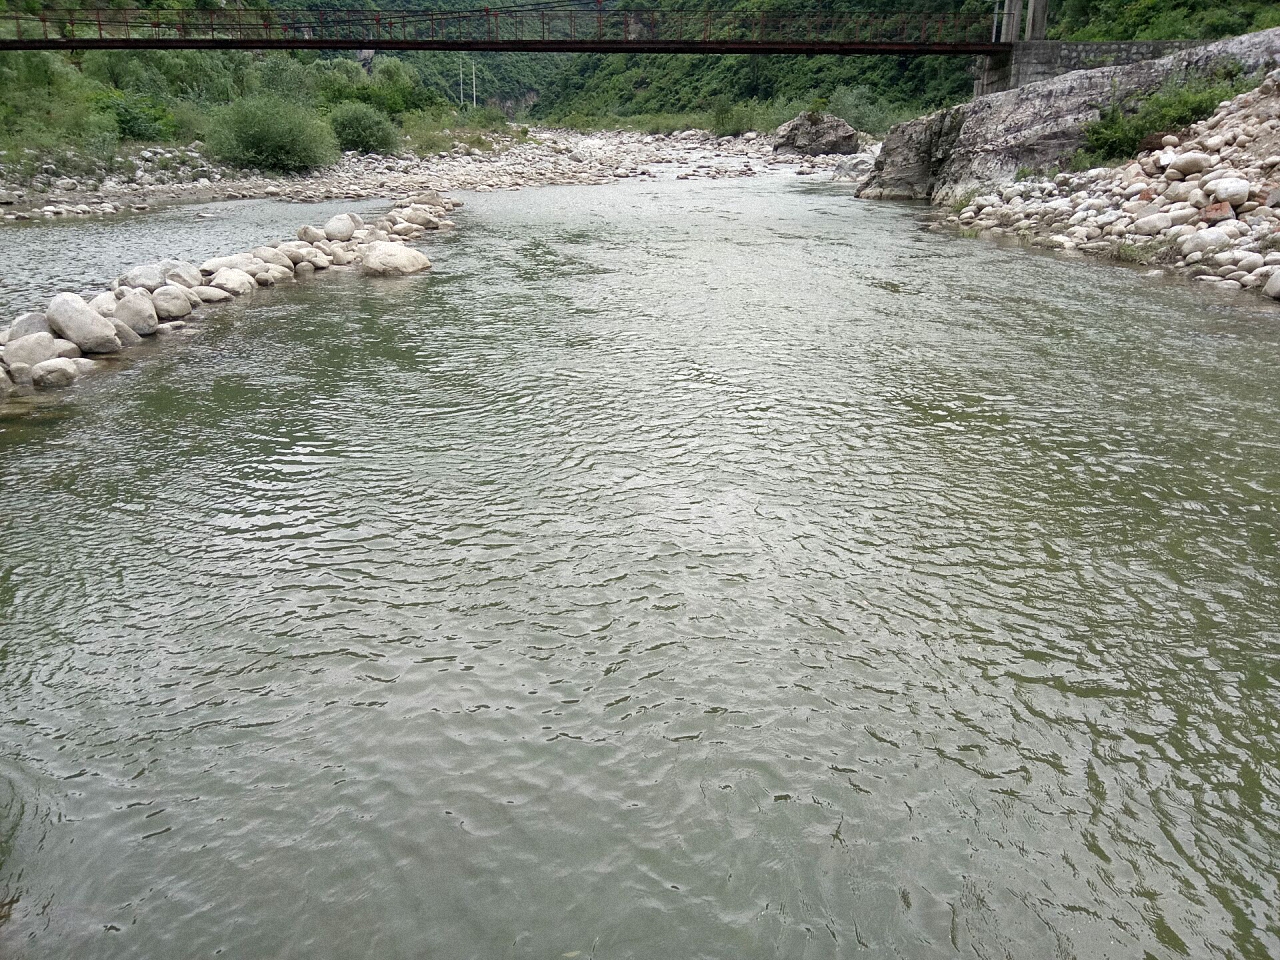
[[55, 347]]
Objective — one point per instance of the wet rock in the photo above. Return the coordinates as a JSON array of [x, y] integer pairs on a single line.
[[1272, 289], [125, 333], [7, 387], [66, 349], [170, 302], [383, 258], [32, 349], [212, 294], [70, 317], [85, 365], [309, 234], [58, 372], [234, 281], [137, 312], [20, 374]]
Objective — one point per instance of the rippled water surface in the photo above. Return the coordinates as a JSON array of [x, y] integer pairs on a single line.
[[721, 570]]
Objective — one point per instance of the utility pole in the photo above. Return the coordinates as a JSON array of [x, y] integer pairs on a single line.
[[473, 84], [461, 103]]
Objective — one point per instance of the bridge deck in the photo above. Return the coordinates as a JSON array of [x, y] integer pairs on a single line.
[[514, 29]]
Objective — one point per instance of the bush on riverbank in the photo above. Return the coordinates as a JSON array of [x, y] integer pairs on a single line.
[[359, 126], [1118, 134], [272, 134]]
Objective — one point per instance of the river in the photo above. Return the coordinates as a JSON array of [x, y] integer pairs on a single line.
[[726, 569]]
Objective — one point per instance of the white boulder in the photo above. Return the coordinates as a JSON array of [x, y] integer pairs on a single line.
[[1232, 190], [233, 281], [170, 302], [137, 312], [31, 349], [385, 259], [70, 317], [340, 227], [58, 372]]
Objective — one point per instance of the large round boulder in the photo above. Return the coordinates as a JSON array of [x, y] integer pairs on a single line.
[[137, 312], [233, 281], [1232, 190], [340, 227], [811, 134], [72, 319], [385, 259], [171, 302]]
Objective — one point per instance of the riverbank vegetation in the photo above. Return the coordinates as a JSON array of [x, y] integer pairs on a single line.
[[1124, 129], [67, 112]]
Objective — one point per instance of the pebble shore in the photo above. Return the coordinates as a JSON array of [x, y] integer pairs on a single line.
[[1206, 204], [545, 157]]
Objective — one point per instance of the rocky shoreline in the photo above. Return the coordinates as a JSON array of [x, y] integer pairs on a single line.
[[546, 157], [1206, 204], [78, 335]]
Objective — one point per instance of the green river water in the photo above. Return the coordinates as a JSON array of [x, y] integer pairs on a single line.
[[678, 570]]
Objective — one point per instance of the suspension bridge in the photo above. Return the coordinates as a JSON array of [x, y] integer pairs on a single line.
[[554, 27]]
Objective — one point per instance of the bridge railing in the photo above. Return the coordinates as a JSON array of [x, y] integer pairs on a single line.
[[525, 27]]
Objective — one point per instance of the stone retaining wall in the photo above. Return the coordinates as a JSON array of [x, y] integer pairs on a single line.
[[1044, 59]]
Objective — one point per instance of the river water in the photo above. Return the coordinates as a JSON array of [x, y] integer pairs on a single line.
[[726, 570]]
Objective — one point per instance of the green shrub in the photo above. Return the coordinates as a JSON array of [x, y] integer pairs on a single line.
[[272, 134], [138, 117], [359, 126], [1119, 131]]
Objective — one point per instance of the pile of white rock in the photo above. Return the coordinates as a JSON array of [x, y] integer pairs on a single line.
[[1207, 204], [71, 337]]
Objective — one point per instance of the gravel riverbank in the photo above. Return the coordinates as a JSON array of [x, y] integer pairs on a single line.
[[1206, 204], [545, 157]]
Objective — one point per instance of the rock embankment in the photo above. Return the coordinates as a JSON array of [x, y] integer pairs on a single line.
[[1207, 203], [77, 335], [947, 154]]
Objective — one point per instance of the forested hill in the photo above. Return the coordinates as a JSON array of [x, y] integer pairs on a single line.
[[881, 89]]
